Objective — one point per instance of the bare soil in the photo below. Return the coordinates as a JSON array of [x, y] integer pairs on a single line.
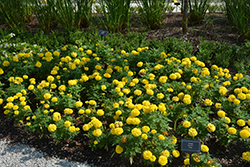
[[214, 28]]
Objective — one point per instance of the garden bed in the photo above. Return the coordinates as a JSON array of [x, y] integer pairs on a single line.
[[215, 29]]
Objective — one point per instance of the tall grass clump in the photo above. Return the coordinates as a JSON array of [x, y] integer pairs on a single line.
[[116, 13], [14, 13], [72, 14], [45, 13], [153, 12], [238, 13], [197, 11]]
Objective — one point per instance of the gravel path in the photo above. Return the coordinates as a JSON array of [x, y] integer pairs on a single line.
[[21, 155]]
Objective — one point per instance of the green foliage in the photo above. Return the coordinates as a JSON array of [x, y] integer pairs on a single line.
[[152, 11], [15, 13], [72, 14], [116, 14], [45, 13], [238, 13], [216, 53], [213, 8], [197, 11]]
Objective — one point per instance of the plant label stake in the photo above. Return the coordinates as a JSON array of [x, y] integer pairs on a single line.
[[190, 146], [176, 3], [103, 33]]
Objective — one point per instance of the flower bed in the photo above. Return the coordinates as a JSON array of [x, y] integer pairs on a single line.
[[142, 102]]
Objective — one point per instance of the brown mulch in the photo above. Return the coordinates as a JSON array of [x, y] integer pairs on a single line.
[[215, 28]]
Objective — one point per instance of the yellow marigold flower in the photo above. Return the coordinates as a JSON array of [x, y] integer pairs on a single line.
[[52, 127], [170, 90], [50, 79], [1, 71], [62, 88], [150, 92], [72, 129], [103, 87], [192, 132], [246, 156], [38, 64], [96, 123], [186, 161], [89, 52], [153, 131], [53, 86], [244, 133], [136, 132], [175, 98], [100, 112], [6, 112], [92, 102], [118, 131], [153, 158], [187, 100], [15, 107], [165, 153], [186, 124], [211, 127], [54, 99], [221, 113], [227, 120], [118, 149], [160, 95], [163, 160], [244, 89], [242, 96], [195, 71], [172, 76], [78, 104], [231, 130], [10, 99], [161, 137], [145, 129], [135, 53], [204, 148], [205, 72], [16, 112], [86, 127], [47, 96], [147, 154], [193, 79], [87, 111], [174, 139], [118, 112], [72, 82], [144, 136], [237, 90], [135, 112], [56, 116], [236, 101], [140, 64], [6, 63], [163, 79], [176, 153], [208, 102], [188, 86], [68, 111], [67, 124], [217, 105], [241, 122], [97, 132], [222, 90]]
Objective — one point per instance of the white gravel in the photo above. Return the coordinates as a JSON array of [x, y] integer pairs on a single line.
[[21, 155]]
